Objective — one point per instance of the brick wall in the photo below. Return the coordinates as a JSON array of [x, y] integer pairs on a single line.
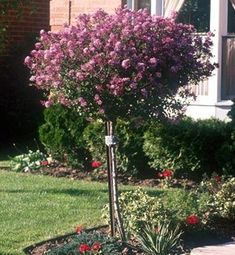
[[65, 11], [27, 23]]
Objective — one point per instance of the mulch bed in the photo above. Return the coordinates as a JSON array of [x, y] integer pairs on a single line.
[[102, 176], [42, 247]]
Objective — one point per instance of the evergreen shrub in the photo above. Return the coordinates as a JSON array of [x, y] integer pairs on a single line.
[[61, 134], [131, 159], [190, 147]]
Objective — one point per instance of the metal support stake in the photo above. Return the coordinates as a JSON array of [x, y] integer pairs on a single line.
[[115, 216], [110, 184]]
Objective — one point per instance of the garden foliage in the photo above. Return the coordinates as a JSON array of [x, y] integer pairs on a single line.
[[190, 147], [130, 157], [161, 239], [224, 200], [89, 243], [138, 207], [31, 161], [62, 135]]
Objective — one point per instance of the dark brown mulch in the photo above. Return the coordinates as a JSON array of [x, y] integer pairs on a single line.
[[102, 176]]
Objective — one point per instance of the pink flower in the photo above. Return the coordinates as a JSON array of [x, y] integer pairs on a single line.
[[48, 103], [153, 61], [159, 175], [192, 219], [96, 164], [126, 63], [82, 101], [44, 163]]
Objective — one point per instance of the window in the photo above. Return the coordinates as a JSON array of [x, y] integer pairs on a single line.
[[124, 2], [197, 13], [231, 18], [228, 67], [141, 4]]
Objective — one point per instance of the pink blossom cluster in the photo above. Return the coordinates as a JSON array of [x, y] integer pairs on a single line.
[[122, 64]]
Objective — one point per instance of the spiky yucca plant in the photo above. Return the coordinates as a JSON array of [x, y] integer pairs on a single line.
[[160, 240]]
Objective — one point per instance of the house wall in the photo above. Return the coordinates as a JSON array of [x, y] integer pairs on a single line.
[[26, 23], [65, 11], [209, 102], [20, 108], [212, 104]]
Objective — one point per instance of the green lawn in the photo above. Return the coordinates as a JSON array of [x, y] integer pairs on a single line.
[[35, 208]]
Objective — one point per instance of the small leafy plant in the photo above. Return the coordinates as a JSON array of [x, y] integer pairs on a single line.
[[162, 239], [31, 161], [137, 207], [89, 243], [224, 200]]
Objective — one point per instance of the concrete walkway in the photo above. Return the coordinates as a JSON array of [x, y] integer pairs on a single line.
[[219, 249]]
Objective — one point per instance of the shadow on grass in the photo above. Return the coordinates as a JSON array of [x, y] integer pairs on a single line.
[[70, 192], [75, 192]]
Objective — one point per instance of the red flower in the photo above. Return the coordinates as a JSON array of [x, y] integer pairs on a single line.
[[44, 163], [79, 229], [192, 219], [96, 246], [217, 178], [167, 173], [84, 247], [96, 164]]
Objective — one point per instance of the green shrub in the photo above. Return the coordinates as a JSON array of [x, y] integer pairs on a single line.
[[93, 240], [189, 147], [137, 207], [130, 157], [94, 138], [174, 205], [61, 134], [224, 200]]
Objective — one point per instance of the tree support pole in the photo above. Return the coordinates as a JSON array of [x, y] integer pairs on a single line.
[[114, 209]]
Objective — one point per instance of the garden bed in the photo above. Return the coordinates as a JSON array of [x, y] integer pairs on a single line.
[[61, 170], [44, 246]]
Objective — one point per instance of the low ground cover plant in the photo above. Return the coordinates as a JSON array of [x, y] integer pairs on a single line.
[[89, 243], [31, 161]]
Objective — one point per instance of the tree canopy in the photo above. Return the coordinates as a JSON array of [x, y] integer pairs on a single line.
[[126, 64]]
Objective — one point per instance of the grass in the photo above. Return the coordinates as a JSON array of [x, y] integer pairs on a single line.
[[4, 163], [35, 208]]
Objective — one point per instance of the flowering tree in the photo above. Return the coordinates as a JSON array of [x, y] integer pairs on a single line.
[[128, 64]]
